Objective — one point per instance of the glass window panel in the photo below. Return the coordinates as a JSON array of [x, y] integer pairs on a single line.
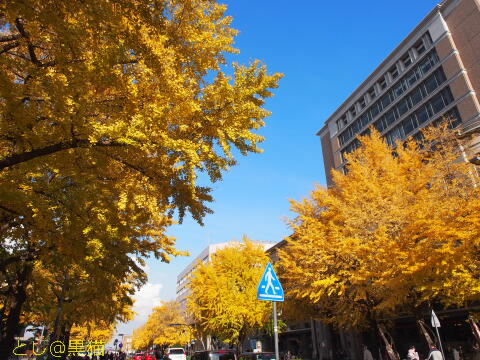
[[411, 78], [386, 100], [437, 103], [447, 95], [431, 84], [355, 127], [440, 75], [402, 106], [425, 65], [407, 61], [365, 119], [399, 89], [390, 117], [375, 110], [422, 115], [416, 96], [382, 83], [408, 125]]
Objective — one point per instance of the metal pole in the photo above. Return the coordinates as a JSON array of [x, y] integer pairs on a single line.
[[275, 329], [440, 342]]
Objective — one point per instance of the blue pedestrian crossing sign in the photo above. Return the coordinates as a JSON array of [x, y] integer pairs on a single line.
[[269, 287]]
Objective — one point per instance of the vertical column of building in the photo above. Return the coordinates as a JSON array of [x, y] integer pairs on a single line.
[[463, 20]]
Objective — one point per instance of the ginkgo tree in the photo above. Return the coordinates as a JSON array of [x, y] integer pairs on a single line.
[[165, 326], [72, 300], [223, 293], [397, 234], [108, 112]]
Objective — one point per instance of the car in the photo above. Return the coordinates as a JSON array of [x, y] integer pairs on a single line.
[[214, 355], [150, 355], [176, 354], [257, 356], [139, 356]]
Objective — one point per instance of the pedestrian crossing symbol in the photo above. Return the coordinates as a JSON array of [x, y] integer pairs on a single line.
[[269, 287]]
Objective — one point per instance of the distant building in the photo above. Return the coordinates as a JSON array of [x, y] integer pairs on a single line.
[[205, 256], [127, 343], [434, 72]]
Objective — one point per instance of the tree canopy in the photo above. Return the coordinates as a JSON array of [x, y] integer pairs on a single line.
[[109, 110], [223, 293], [399, 233], [166, 326]]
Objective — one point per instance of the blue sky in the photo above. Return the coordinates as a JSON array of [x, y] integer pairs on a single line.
[[325, 49]]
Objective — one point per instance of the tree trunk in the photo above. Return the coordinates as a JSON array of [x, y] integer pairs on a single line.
[[58, 325], [65, 338], [18, 297]]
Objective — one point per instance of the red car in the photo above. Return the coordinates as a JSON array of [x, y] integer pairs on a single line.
[[150, 355], [139, 356]]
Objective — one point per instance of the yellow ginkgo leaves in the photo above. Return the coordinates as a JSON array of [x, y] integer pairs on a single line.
[[400, 231]]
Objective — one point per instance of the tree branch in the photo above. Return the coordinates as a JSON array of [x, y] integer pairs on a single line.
[[131, 166], [31, 48], [10, 37], [9, 47], [51, 149]]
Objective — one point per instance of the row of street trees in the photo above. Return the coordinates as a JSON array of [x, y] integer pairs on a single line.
[[108, 111], [398, 234], [222, 302]]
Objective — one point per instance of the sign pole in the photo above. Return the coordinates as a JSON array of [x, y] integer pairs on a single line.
[[275, 329], [436, 325], [440, 342], [270, 289]]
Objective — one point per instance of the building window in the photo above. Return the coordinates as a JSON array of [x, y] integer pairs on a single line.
[[394, 72], [441, 100], [353, 112], [422, 115], [403, 106], [408, 125], [386, 100], [420, 47], [362, 103], [342, 122], [390, 117], [437, 103], [372, 94], [431, 83], [365, 119], [416, 96], [411, 78], [407, 61], [399, 89], [382, 83]]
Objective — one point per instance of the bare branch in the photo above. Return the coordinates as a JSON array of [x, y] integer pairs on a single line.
[[10, 37], [9, 47]]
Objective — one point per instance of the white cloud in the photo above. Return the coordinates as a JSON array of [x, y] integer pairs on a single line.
[[146, 299]]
